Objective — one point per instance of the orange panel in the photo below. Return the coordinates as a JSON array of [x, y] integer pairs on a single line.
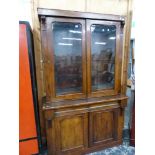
[[27, 126], [28, 147]]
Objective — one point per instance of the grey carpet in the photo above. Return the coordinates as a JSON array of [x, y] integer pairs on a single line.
[[119, 150]]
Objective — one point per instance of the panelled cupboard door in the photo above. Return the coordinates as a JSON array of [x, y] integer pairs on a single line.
[[103, 126], [71, 133], [103, 58], [65, 58]]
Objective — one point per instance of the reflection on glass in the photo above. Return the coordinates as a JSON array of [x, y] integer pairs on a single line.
[[67, 43], [103, 46]]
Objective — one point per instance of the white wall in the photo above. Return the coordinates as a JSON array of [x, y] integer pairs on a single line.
[[133, 23], [25, 14]]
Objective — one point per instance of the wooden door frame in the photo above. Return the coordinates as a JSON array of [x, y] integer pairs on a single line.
[[118, 62], [49, 61]]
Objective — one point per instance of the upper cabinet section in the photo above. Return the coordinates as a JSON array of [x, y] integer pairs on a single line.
[[82, 55]]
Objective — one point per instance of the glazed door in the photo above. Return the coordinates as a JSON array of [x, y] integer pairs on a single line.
[[103, 126], [71, 132], [65, 58], [103, 57]]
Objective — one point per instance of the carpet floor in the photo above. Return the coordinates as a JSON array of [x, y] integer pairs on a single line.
[[119, 150]]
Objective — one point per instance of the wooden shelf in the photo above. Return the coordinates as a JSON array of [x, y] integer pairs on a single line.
[[82, 102]]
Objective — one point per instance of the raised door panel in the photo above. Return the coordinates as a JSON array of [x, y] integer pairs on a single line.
[[71, 133], [103, 126], [71, 128], [103, 122]]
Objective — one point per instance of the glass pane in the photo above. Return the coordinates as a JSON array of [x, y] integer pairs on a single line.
[[67, 43], [103, 46]]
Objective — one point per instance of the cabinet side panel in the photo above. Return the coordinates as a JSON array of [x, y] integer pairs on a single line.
[[38, 64]]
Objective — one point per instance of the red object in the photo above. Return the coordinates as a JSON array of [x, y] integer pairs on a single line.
[[27, 129], [28, 147]]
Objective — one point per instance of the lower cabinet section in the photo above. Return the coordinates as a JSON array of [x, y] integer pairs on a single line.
[[78, 131]]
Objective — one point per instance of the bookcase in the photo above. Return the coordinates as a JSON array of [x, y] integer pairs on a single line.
[[82, 61]]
